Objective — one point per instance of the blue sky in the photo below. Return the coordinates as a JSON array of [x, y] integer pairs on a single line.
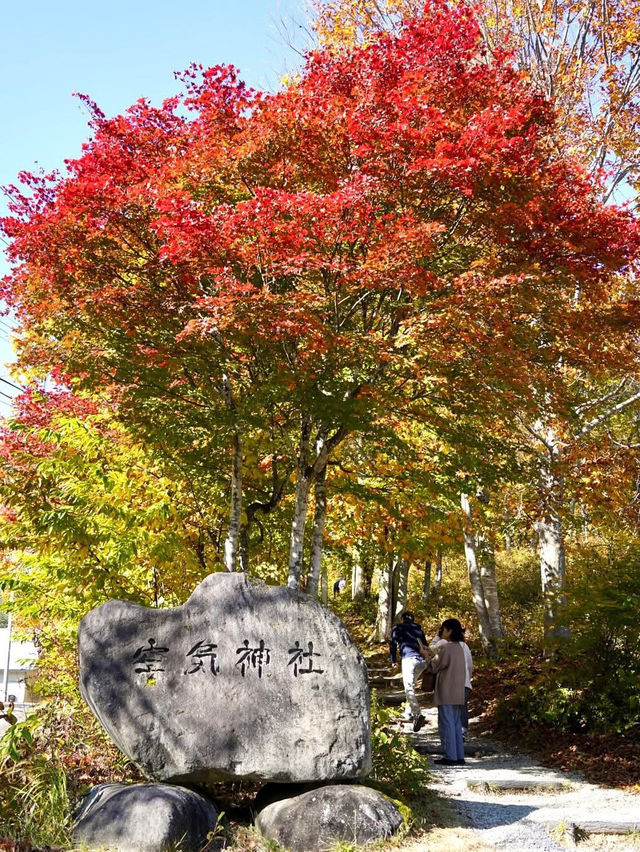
[[116, 53]]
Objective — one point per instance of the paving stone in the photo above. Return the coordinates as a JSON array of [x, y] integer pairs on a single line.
[[470, 749], [523, 785]]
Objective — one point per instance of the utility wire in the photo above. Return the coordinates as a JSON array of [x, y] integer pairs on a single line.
[[7, 382]]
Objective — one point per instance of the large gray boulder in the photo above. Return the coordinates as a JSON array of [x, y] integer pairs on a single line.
[[242, 681], [315, 820], [143, 818]]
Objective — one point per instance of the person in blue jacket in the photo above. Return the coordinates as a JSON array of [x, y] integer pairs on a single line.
[[409, 638]]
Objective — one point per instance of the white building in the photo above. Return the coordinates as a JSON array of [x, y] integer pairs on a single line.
[[21, 658]]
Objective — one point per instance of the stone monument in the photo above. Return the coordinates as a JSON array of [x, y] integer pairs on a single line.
[[243, 681]]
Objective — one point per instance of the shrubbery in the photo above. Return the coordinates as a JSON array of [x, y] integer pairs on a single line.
[[47, 763], [595, 683], [398, 769]]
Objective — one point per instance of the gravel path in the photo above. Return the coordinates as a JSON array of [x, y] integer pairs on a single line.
[[514, 803]]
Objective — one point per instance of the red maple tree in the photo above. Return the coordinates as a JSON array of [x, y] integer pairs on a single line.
[[394, 227]]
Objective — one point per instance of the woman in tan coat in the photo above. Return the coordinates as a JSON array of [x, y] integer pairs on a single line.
[[448, 661]]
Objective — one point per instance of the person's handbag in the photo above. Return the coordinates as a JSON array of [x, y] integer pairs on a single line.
[[428, 682]]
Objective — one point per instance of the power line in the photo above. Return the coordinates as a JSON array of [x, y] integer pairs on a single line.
[[7, 382]]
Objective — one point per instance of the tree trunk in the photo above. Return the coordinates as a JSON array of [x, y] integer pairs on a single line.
[[367, 572], [231, 542], [401, 585], [324, 584], [244, 547], [437, 580], [395, 580], [552, 574], [426, 587], [507, 529], [297, 530], [300, 506], [475, 579], [384, 617], [235, 515], [585, 525], [357, 576], [552, 556], [490, 586], [317, 537]]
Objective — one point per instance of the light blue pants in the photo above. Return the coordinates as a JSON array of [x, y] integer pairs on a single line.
[[450, 730]]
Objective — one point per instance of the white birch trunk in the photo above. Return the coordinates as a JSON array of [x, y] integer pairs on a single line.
[[490, 587], [552, 575], [317, 537], [324, 584], [384, 618], [297, 530], [507, 529], [475, 579], [437, 580], [235, 517], [357, 576], [426, 587], [303, 484], [551, 549], [402, 585], [244, 547]]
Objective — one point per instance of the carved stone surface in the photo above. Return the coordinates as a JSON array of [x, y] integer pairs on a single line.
[[315, 820], [143, 818], [242, 681]]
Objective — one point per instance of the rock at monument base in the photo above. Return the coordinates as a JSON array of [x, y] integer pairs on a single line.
[[243, 681], [143, 818], [272, 792], [314, 820]]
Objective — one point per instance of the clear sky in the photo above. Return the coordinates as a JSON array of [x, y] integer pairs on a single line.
[[116, 53]]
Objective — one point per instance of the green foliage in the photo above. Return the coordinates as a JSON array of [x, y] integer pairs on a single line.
[[47, 763], [518, 574], [595, 685], [34, 803], [398, 769], [86, 516]]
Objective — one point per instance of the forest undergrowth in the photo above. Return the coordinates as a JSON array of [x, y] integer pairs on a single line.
[[604, 757]]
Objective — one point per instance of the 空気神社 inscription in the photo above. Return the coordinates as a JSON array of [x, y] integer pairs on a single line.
[[244, 680], [153, 658]]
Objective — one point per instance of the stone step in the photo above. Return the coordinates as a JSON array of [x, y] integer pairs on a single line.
[[585, 815], [579, 826], [395, 699], [470, 749], [520, 785], [385, 681]]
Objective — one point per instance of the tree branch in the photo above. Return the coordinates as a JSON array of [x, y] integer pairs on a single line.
[[616, 409]]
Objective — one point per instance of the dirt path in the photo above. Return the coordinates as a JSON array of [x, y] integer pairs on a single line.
[[515, 803], [509, 801]]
